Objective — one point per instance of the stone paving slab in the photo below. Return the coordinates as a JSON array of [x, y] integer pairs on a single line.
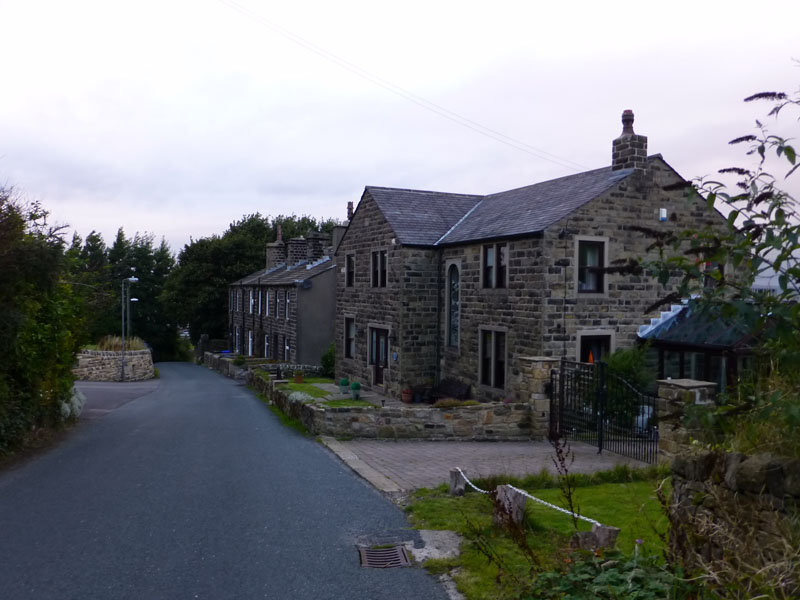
[[406, 465]]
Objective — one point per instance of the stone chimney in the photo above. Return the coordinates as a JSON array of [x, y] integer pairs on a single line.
[[629, 151], [350, 211], [295, 251], [276, 251], [316, 243]]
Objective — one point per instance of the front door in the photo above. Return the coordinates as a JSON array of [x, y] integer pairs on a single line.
[[379, 353]]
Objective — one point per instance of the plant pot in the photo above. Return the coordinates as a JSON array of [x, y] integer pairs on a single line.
[[407, 396], [356, 394], [343, 389]]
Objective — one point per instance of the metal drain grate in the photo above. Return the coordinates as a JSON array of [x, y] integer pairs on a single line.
[[382, 558]]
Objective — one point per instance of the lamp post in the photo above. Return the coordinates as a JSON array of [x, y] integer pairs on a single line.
[[130, 329], [128, 280]]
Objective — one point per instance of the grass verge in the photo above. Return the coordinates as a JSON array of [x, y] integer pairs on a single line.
[[306, 388], [348, 403], [285, 419], [629, 503]]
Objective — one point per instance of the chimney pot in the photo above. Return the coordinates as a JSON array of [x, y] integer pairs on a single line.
[[629, 150]]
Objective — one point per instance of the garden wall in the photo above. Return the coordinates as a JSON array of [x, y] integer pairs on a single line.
[[101, 365], [730, 507], [491, 421]]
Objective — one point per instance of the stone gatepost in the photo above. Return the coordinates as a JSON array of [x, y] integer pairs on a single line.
[[533, 385], [674, 396]]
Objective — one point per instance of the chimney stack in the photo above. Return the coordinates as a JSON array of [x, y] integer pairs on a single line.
[[276, 253], [315, 245], [629, 151], [296, 251], [349, 210]]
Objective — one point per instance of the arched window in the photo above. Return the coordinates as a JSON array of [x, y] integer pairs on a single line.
[[453, 305]]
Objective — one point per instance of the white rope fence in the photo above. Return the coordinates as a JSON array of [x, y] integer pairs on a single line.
[[527, 495]]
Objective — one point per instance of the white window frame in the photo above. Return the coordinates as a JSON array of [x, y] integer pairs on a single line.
[[495, 268], [286, 305], [382, 256], [492, 385], [576, 270]]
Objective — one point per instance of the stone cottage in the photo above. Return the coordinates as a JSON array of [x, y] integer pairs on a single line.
[[434, 285], [285, 312]]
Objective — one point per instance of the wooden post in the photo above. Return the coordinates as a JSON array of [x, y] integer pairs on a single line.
[[510, 506], [457, 483]]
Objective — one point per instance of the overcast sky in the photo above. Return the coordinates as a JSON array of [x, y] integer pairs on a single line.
[[177, 117]]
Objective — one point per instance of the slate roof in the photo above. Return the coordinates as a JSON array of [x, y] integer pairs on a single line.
[[420, 218], [423, 218], [281, 275], [690, 327]]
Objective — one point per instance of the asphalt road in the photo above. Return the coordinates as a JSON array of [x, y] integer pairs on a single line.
[[188, 487]]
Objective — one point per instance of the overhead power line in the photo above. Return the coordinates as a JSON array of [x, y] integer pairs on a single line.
[[405, 94]]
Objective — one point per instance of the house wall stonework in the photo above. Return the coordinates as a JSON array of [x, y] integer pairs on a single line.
[[369, 306], [539, 310], [262, 324]]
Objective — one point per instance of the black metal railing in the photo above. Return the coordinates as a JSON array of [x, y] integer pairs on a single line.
[[590, 405]]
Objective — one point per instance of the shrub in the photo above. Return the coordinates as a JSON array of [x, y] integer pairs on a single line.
[[328, 361], [239, 360]]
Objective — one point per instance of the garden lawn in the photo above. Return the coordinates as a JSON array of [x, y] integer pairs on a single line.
[[307, 388], [631, 505]]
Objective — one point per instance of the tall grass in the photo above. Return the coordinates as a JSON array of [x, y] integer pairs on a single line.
[[113, 343]]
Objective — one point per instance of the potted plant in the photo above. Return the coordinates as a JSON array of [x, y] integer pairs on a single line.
[[407, 395], [298, 376], [355, 389], [344, 385]]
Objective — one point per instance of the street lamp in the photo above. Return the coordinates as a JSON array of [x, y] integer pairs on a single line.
[[127, 280], [130, 329]]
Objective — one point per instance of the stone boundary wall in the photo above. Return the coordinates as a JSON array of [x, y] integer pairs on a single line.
[[223, 363], [490, 421], [724, 500], [674, 397], [104, 365]]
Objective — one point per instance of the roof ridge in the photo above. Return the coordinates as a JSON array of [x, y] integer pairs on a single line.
[[416, 191], [461, 220]]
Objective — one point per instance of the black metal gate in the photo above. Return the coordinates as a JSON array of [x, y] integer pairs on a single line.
[[590, 405]]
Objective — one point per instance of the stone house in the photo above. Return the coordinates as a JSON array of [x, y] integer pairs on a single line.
[[285, 312], [434, 285]]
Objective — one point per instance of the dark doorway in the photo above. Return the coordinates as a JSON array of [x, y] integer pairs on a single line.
[[379, 353]]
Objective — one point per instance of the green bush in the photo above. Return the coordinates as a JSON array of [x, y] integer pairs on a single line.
[[328, 361], [239, 360]]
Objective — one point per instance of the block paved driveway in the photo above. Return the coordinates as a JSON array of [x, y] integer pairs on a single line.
[[405, 465]]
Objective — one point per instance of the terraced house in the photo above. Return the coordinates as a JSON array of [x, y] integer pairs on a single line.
[[285, 312], [435, 285]]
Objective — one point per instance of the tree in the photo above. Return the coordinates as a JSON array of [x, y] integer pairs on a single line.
[[719, 270], [196, 292], [41, 319]]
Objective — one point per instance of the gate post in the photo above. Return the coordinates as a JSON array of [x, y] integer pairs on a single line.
[[601, 394]]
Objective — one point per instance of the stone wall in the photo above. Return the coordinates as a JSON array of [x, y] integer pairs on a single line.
[[223, 363], [371, 306], [674, 397], [100, 365], [730, 507], [496, 421]]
